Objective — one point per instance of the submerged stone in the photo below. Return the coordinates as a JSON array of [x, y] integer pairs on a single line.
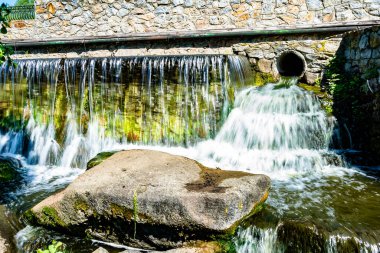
[[8, 169], [10, 177], [153, 200]]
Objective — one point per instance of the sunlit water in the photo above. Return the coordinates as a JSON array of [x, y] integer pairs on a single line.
[[64, 113]]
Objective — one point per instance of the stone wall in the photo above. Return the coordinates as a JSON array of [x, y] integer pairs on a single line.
[[316, 50], [262, 51], [112, 17], [361, 51], [355, 85]]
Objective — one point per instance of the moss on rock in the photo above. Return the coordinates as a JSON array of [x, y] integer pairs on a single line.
[[99, 158], [8, 169], [261, 78]]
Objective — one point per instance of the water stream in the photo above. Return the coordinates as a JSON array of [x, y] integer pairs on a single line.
[[57, 114]]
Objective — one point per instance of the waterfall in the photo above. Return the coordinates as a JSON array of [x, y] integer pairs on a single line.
[[72, 109], [59, 113], [272, 130]]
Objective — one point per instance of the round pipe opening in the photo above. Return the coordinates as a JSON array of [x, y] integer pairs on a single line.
[[291, 63]]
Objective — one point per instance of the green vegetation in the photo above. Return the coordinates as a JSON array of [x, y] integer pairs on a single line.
[[54, 247], [24, 2], [4, 24], [354, 102], [99, 158], [50, 217], [7, 171], [263, 78]]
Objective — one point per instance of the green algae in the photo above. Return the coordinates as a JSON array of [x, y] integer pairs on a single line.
[[7, 172], [99, 158], [261, 78], [50, 217]]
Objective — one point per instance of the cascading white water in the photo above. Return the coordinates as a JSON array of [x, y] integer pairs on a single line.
[[274, 131], [68, 124]]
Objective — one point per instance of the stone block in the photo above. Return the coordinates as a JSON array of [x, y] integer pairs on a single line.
[[178, 2], [80, 21], [366, 53], [97, 8], [122, 13], [265, 65], [374, 40], [363, 43], [255, 53], [77, 12], [188, 3], [310, 77], [268, 7], [314, 5], [345, 15]]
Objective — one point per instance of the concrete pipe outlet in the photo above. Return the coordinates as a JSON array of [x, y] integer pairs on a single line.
[[291, 63]]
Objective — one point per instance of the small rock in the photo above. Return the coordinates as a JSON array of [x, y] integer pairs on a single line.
[[100, 250]]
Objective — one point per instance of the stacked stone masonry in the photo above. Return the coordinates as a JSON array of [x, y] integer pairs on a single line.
[[316, 51], [77, 18], [362, 51]]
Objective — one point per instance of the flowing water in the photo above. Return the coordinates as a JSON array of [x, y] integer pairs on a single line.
[[57, 114]]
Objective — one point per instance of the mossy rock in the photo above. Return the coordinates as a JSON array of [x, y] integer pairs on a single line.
[[153, 200], [10, 177], [99, 158], [9, 169]]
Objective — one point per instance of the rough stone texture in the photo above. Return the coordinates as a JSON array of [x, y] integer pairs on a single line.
[[10, 177], [100, 250], [88, 17], [9, 168], [360, 54], [204, 247], [6, 232], [264, 53], [317, 49], [4, 247], [359, 46], [152, 199]]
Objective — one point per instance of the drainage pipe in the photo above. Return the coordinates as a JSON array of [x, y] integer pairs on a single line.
[[291, 63]]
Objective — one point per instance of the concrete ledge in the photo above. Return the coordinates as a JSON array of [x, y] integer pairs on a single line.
[[338, 27]]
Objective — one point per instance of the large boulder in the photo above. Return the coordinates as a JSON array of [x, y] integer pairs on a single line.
[[152, 200]]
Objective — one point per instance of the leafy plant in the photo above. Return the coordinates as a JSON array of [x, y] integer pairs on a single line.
[[55, 247], [4, 24], [24, 2]]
